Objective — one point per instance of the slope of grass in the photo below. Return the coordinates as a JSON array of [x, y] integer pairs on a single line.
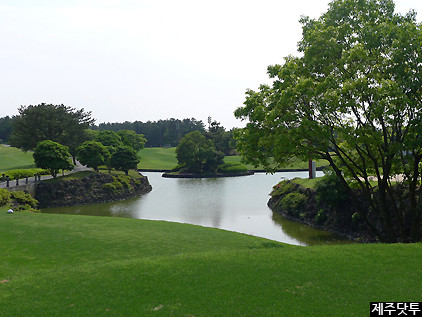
[[158, 158], [61, 265], [13, 158]]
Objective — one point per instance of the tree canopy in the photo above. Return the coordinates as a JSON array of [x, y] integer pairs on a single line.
[[197, 154], [353, 97], [57, 123], [92, 154], [124, 158], [52, 156]]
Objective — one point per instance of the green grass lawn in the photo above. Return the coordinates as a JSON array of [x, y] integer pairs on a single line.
[[66, 265], [13, 158], [165, 159], [158, 158]]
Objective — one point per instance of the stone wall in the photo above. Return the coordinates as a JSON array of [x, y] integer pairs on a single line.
[[94, 188]]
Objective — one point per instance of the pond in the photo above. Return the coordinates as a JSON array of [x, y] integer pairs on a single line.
[[236, 204]]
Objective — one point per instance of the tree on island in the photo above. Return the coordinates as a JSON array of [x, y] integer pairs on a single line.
[[124, 158], [196, 154], [92, 154], [52, 156], [353, 97], [58, 123]]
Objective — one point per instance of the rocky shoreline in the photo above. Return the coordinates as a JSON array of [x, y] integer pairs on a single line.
[[306, 209], [94, 188]]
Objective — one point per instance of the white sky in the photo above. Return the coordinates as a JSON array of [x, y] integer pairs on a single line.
[[128, 60]]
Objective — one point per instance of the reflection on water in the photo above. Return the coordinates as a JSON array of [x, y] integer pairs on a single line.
[[236, 204]]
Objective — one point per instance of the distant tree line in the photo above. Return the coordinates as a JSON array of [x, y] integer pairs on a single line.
[[53, 122], [158, 133]]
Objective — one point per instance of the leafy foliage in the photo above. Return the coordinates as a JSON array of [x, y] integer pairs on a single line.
[[22, 173], [52, 156], [330, 190], [92, 154], [158, 133], [132, 139], [108, 138], [352, 98], [293, 202], [124, 158], [58, 123], [24, 198], [197, 154], [4, 196]]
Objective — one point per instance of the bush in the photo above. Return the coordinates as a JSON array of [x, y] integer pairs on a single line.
[[24, 199], [22, 173], [293, 203], [282, 188], [321, 216], [4, 196], [330, 191], [232, 168]]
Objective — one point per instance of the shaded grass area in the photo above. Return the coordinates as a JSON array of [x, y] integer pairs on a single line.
[[13, 158], [62, 265]]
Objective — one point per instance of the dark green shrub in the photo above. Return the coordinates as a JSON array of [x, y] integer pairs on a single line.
[[24, 198], [4, 196], [330, 191], [124, 181], [293, 203], [232, 168], [321, 216]]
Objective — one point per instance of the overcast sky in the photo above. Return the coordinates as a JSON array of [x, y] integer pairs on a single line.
[[128, 60]]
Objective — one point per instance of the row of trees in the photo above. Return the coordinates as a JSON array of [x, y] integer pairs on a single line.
[[158, 133], [56, 132], [352, 97], [58, 122]]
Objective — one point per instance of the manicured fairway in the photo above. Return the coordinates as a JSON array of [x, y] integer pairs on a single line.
[[62, 265], [13, 158], [158, 158]]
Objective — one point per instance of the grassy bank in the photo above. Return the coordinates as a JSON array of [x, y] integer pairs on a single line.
[[61, 265], [165, 159], [13, 158]]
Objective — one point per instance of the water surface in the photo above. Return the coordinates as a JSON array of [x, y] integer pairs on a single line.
[[236, 204]]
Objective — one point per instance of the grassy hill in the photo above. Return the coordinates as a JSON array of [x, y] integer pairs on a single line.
[[63, 265], [13, 158]]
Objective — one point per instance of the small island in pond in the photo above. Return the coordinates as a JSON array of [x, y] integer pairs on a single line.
[[198, 157], [205, 175]]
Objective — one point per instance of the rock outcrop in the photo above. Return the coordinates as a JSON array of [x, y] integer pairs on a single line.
[[94, 188]]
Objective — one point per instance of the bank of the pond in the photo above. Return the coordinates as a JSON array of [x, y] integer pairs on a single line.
[[216, 175], [90, 189], [62, 265], [298, 203]]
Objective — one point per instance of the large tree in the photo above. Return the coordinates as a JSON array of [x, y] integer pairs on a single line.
[[353, 97], [197, 154], [124, 158], [92, 154], [132, 139], [58, 123], [52, 156]]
